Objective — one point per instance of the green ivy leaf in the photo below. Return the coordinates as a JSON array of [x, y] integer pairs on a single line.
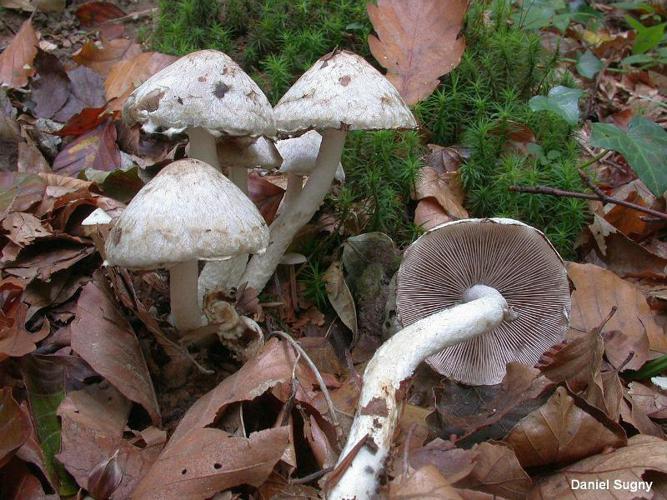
[[563, 101], [643, 145], [648, 38], [588, 65]]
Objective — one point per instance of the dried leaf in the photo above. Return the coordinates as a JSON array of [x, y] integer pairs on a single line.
[[597, 291], [103, 59], [497, 471], [128, 74], [652, 402], [563, 431], [340, 297], [15, 340], [207, 461], [94, 13], [105, 340], [96, 149], [85, 121], [24, 228], [426, 483], [490, 412], [16, 60], [265, 195], [15, 425], [93, 422], [629, 463], [445, 188], [453, 463], [417, 41], [429, 214]]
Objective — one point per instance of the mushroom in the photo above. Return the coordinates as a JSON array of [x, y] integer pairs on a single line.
[[186, 213], [487, 291], [207, 95], [340, 92], [299, 156]]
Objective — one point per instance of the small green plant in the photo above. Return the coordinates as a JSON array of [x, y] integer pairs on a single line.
[[483, 104], [314, 283]]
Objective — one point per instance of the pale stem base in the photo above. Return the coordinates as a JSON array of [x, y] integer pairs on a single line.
[[239, 176], [395, 361]]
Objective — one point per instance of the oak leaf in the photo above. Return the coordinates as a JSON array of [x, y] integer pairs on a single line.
[[417, 41]]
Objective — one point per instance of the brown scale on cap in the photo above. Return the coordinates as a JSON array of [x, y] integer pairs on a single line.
[[513, 258]]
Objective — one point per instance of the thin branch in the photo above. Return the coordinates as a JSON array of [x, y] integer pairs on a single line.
[[599, 195], [318, 376], [311, 477]]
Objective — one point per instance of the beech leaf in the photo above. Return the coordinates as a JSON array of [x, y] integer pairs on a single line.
[[103, 59], [96, 149], [105, 340], [16, 60], [128, 74], [340, 297], [417, 42], [562, 432]]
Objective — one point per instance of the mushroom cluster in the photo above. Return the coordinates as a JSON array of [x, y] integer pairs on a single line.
[[230, 124]]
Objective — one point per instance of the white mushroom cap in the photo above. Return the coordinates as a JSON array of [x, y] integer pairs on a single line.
[[248, 152], [189, 211], [300, 155], [513, 258], [203, 89], [342, 90]]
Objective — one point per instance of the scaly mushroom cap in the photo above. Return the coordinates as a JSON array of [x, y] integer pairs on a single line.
[[515, 259], [342, 90], [299, 155], [203, 89], [189, 211]]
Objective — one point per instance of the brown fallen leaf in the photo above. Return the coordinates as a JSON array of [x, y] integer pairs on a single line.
[[15, 340], [490, 412], [429, 214], [265, 195], [94, 13], [562, 431], [497, 471], [643, 453], [453, 463], [103, 59], [128, 74], [17, 58], [23, 228], [597, 291], [445, 188], [93, 421], [105, 340], [340, 297], [96, 149], [426, 482], [208, 461], [622, 255], [417, 41], [652, 402], [15, 425]]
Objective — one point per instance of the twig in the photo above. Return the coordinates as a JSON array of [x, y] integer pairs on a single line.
[[599, 195], [134, 16], [320, 380], [311, 477]]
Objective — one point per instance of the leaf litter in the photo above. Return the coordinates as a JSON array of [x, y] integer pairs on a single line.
[[98, 394]]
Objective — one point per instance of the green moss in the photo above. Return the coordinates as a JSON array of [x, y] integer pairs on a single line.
[[478, 105], [483, 102]]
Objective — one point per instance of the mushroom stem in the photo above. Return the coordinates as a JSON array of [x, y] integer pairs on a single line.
[[239, 176], [202, 146], [297, 214], [183, 293], [378, 410], [294, 186]]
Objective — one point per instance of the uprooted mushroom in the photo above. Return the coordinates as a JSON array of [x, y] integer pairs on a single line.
[[473, 295]]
